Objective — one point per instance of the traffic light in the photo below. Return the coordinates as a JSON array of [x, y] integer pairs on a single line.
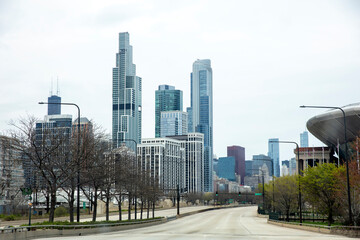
[[239, 194], [216, 194]]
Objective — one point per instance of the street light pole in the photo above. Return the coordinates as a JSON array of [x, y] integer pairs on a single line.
[[299, 173], [78, 157], [346, 152]]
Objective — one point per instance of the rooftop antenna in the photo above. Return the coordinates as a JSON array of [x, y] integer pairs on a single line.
[[57, 87], [51, 88]]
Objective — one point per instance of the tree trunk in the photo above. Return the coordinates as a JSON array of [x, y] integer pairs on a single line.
[[52, 205], [129, 208], [153, 210], [142, 208], [107, 206], [95, 205], [148, 209], [330, 217], [71, 204], [135, 210], [120, 213], [287, 215], [47, 201]]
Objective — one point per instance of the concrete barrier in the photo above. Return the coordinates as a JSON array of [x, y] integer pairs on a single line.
[[349, 231], [76, 230]]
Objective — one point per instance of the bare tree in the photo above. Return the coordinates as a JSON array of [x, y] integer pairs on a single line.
[[93, 171], [123, 158], [48, 150]]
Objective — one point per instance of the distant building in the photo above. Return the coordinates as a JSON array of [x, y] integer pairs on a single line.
[[248, 167], [239, 154], [190, 123], [54, 108], [85, 125], [11, 174], [274, 154], [202, 112], [215, 164], [193, 143], [226, 168], [285, 168], [167, 98], [313, 156], [260, 160], [126, 96], [173, 123], [292, 166], [164, 159], [286, 163], [304, 139]]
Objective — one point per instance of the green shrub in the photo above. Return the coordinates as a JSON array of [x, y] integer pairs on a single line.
[[9, 217], [61, 211]]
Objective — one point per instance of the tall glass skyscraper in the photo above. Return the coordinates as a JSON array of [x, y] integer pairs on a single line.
[[126, 97], [304, 139], [275, 155], [202, 113], [167, 98]]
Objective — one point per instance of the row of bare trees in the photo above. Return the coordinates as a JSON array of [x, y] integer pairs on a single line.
[[54, 158]]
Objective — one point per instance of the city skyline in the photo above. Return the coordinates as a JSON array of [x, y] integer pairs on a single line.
[[259, 52]]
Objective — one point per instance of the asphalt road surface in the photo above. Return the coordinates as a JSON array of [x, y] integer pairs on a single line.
[[233, 223]]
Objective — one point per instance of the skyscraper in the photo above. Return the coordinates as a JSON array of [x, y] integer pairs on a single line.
[[239, 154], [126, 96], [193, 143], [167, 98], [54, 109], [275, 155], [202, 113], [304, 139]]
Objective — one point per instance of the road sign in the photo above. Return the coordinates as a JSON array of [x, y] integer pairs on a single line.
[[84, 205], [258, 194], [26, 191]]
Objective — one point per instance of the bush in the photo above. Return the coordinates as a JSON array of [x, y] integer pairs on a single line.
[[61, 211], [9, 217]]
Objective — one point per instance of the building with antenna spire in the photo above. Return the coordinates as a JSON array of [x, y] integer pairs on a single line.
[[54, 109]]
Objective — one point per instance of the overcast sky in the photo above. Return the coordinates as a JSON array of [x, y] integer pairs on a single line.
[[268, 58]]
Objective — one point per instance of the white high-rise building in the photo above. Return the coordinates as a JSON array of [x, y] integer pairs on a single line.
[[126, 97], [193, 143], [164, 160]]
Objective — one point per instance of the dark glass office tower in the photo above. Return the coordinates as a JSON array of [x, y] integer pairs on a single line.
[[54, 109], [167, 98]]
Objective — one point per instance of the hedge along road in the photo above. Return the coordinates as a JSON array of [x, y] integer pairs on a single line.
[[113, 216], [232, 223]]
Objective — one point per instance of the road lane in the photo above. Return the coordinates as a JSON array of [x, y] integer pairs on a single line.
[[234, 223]]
